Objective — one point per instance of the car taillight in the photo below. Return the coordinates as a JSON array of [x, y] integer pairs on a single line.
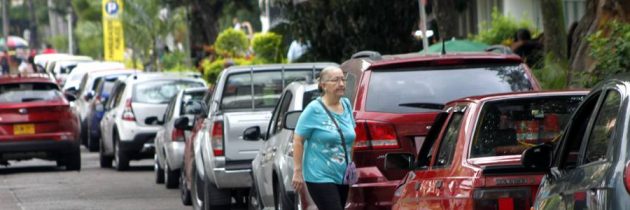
[[177, 135], [626, 176], [216, 138], [128, 112], [502, 199], [375, 135]]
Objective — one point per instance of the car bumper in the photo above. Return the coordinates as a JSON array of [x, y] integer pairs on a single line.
[[45, 148], [140, 147], [376, 195], [231, 174], [175, 154]]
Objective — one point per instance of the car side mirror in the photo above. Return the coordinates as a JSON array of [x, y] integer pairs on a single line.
[[290, 119], [72, 91], [402, 160], [538, 157], [153, 120], [69, 96], [252, 133], [182, 123], [89, 95]]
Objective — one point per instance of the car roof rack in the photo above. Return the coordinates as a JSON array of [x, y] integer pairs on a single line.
[[367, 54]]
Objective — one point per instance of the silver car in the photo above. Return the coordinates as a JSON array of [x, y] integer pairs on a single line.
[[272, 169], [170, 140], [126, 134]]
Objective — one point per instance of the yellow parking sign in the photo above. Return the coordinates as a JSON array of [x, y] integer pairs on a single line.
[[113, 35]]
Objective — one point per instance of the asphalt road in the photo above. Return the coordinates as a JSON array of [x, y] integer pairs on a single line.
[[38, 184]]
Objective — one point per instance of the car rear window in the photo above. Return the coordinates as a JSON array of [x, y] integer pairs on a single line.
[[190, 96], [508, 127], [27, 92], [267, 87], [160, 91], [413, 90]]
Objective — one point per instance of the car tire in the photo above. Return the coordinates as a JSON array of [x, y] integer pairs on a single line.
[[92, 141], [183, 189], [171, 177], [282, 200], [158, 171], [215, 198], [105, 161], [120, 158], [73, 160], [196, 191]]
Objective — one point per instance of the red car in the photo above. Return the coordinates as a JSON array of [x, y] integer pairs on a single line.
[[36, 121], [397, 97], [471, 158]]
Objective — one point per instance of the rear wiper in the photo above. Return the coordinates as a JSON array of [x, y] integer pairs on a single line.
[[31, 99], [424, 105]]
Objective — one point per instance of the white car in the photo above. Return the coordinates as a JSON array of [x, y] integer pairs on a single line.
[[73, 80], [125, 133]]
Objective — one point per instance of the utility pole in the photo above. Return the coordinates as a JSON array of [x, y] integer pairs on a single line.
[[5, 21], [423, 26], [70, 37]]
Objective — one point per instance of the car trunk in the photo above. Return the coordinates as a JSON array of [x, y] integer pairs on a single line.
[[235, 123], [410, 130], [29, 119]]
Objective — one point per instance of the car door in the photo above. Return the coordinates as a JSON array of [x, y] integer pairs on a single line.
[[579, 178], [163, 135], [107, 124]]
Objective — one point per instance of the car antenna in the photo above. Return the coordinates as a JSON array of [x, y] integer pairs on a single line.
[[443, 48]]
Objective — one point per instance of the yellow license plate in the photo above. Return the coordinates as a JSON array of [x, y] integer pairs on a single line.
[[22, 129]]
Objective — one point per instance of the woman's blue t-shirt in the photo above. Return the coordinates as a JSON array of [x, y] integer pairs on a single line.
[[323, 160]]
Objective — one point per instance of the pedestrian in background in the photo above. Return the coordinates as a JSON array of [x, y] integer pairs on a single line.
[[322, 143], [27, 66], [4, 62]]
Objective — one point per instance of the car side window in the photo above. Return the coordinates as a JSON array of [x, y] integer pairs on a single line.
[[274, 118], [448, 143], [169, 110], [574, 134], [119, 92], [284, 106], [603, 128]]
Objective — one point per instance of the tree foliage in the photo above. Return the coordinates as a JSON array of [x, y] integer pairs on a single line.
[[268, 47], [232, 43], [610, 46], [501, 29], [338, 28]]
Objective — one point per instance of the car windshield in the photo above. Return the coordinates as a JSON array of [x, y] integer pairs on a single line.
[[508, 127], [160, 91], [413, 90], [267, 87], [27, 92]]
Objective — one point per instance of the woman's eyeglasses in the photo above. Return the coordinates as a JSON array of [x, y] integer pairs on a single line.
[[337, 80]]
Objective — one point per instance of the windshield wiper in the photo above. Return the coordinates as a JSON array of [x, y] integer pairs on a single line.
[[31, 99], [424, 105]]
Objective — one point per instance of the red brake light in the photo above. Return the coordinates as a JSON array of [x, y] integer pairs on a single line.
[[626, 176], [216, 138], [128, 112], [502, 199], [375, 135], [177, 135]]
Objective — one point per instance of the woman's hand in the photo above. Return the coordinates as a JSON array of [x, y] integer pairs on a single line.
[[298, 180]]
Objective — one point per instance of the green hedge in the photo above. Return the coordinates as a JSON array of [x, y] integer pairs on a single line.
[[232, 43], [268, 47]]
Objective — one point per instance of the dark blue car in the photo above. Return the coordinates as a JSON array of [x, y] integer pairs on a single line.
[[96, 111]]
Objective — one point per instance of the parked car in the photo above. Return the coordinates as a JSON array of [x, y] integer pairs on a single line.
[[73, 80], [85, 95], [96, 109], [36, 121], [170, 139], [589, 166], [272, 168], [396, 98], [244, 96], [470, 158], [125, 132]]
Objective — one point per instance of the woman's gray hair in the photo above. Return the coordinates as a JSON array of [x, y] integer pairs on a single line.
[[323, 75]]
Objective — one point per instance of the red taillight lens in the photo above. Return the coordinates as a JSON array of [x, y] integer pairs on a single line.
[[128, 112], [502, 199], [177, 135], [626, 176], [375, 135], [216, 138]]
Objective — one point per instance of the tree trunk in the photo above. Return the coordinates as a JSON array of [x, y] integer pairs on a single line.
[[205, 21], [598, 13], [446, 16], [555, 35]]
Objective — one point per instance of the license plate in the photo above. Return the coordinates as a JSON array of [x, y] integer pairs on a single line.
[[22, 129]]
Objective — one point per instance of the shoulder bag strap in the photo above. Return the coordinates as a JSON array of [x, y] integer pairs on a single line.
[[343, 140]]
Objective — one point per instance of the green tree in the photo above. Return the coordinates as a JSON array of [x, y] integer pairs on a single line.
[[232, 43], [338, 28]]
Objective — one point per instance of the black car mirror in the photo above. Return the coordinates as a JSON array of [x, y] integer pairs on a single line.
[[89, 95], [153, 120], [402, 160], [252, 133], [71, 91], [182, 123], [538, 157], [290, 119], [69, 96]]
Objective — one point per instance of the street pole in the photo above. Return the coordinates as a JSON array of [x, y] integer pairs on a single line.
[[423, 26], [5, 22], [70, 37]]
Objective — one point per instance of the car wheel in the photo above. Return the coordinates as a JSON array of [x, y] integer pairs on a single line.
[[92, 141], [196, 190], [183, 189], [73, 160], [214, 198], [105, 161], [171, 177], [120, 158], [282, 200], [157, 169]]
